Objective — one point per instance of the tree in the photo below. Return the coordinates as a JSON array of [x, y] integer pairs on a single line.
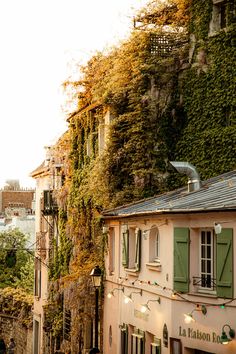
[[16, 262]]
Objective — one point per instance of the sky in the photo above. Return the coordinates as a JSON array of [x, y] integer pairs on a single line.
[[39, 40]]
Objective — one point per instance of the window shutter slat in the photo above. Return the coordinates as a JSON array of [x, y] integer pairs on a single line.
[[224, 263], [125, 249], [181, 259], [137, 249]]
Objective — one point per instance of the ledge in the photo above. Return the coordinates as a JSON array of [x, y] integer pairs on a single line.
[[154, 266], [132, 271]]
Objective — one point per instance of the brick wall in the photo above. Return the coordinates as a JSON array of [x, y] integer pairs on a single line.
[[23, 198]]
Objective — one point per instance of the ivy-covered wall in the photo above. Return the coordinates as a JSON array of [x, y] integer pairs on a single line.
[[174, 104], [209, 138]]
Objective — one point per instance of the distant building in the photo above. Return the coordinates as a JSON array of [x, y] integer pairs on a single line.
[[17, 209], [16, 201]]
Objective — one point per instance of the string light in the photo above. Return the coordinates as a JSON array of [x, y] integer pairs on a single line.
[[176, 296]]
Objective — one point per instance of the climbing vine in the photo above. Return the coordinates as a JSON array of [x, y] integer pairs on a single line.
[[162, 105]]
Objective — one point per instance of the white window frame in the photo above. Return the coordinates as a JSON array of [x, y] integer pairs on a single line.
[[205, 259], [137, 344], [154, 245]]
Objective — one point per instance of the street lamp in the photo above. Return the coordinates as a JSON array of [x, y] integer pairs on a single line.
[[96, 275]]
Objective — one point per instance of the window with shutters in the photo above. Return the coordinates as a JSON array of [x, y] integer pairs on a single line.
[[215, 262], [131, 249], [111, 247], [206, 261], [137, 342]]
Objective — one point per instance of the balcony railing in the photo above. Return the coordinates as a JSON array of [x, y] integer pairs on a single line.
[[205, 282], [49, 206]]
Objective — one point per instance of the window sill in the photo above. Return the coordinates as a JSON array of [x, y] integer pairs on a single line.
[[154, 266], [132, 271], [210, 295]]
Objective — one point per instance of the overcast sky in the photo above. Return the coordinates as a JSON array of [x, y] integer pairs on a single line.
[[38, 40]]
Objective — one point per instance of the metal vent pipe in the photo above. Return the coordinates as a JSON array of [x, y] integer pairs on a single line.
[[194, 182]]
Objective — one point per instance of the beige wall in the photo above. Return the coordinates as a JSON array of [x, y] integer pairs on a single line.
[[170, 311]]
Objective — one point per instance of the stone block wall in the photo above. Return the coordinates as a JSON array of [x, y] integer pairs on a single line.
[[23, 337]]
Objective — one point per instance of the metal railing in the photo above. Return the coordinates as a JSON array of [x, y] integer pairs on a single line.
[[205, 282]]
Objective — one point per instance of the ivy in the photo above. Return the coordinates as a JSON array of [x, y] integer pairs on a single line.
[[162, 108]]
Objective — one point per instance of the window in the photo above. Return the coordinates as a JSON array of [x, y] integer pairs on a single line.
[[215, 261], [156, 346], [37, 277], [36, 336], [137, 343], [206, 260], [219, 18], [111, 243], [131, 248], [124, 339], [101, 137], [154, 245]]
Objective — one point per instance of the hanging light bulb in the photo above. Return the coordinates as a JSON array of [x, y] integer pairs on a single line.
[[128, 299], [224, 339], [188, 318], [110, 294], [144, 308]]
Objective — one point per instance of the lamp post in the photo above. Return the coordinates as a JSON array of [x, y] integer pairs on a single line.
[[96, 275]]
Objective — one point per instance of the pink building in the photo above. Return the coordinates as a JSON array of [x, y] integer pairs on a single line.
[[170, 272]]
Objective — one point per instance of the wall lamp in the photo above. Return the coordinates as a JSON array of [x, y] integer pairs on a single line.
[[111, 293], [217, 228], [189, 316], [128, 298], [145, 307], [224, 339]]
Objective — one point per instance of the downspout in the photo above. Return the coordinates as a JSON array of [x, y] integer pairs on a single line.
[[194, 182]]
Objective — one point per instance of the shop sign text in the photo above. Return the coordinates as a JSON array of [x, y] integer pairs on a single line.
[[197, 334]]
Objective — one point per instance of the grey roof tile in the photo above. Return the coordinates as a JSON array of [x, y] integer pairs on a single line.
[[215, 194]]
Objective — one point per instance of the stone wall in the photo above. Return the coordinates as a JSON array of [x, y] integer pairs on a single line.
[[10, 328]]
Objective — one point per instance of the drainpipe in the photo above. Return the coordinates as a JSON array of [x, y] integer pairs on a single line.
[[194, 182]]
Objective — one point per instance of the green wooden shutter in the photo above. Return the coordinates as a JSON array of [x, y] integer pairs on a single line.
[[137, 261], [181, 259], [125, 249], [224, 263]]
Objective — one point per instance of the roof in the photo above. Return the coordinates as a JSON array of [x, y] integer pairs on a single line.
[[39, 170], [215, 194]]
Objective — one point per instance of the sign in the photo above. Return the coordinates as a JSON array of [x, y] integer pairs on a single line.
[[139, 314], [200, 335]]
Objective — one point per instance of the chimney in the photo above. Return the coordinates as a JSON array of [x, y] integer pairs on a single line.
[[186, 168]]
